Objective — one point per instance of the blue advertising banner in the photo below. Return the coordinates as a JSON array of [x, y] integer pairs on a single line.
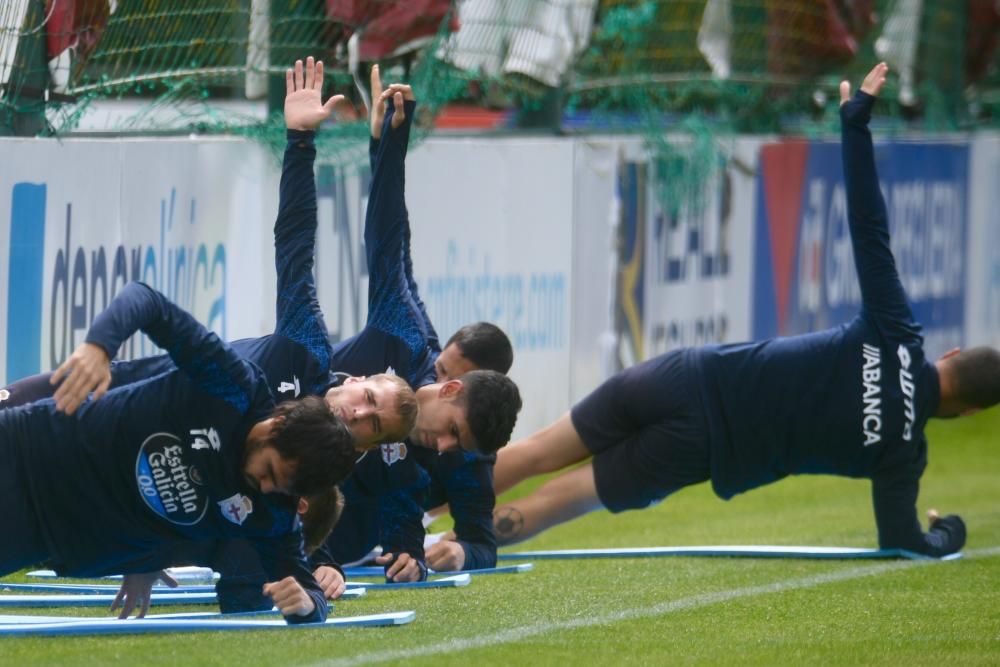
[[804, 275]]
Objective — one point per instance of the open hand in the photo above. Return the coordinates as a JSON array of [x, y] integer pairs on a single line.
[[872, 84], [304, 107]]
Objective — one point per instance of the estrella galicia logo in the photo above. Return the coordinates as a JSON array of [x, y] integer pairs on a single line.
[[392, 452], [167, 484]]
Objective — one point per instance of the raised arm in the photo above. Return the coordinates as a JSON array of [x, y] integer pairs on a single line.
[[298, 313], [881, 290], [391, 304]]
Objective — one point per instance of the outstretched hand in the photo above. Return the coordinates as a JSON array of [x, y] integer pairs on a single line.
[[304, 107], [872, 84], [87, 370], [398, 92]]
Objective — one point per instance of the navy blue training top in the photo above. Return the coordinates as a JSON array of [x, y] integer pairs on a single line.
[[120, 484], [849, 401], [296, 357], [398, 339]]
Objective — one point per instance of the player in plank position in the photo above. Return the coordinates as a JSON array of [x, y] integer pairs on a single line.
[[197, 453], [460, 404], [296, 358], [849, 401], [397, 335]]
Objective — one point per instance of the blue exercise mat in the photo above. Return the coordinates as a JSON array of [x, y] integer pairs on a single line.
[[463, 579], [107, 589], [187, 574], [503, 569], [729, 551], [33, 618], [159, 625], [97, 600]]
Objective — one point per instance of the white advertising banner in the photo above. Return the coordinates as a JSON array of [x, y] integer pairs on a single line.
[[698, 267], [560, 241], [492, 225], [81, 218], [982, 310]]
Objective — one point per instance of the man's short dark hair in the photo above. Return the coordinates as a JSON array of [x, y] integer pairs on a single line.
[[321, 516], [492, 402], [977, 376], [319, 444], [485, 345]]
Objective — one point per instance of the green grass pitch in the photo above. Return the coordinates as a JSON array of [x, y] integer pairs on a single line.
[[670, 610]]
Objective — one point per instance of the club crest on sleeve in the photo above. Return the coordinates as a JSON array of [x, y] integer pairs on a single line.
[[392, 452], [236, 508]]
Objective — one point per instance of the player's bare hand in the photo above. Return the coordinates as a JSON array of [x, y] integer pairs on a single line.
[[403, 569], [398, 92], [136, 590], [932, 517], [304, 106], [446, 556], [290, 597], [331, 581], [872, 84], [87, 370]]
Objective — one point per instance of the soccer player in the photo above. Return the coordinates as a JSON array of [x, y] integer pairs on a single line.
[[849, 401], [296, 358], [474, 410], [200, 452]]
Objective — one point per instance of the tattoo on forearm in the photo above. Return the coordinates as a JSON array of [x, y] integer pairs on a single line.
[[507, 524]]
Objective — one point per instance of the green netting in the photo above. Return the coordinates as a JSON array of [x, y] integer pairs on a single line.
[[702, 68]]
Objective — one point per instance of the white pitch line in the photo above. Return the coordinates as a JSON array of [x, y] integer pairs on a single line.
[[693, 602]]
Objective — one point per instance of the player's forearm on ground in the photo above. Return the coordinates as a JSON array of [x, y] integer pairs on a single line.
[[478, 556], [471, 502], [894, 497], [401, 528], [282, 557]]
